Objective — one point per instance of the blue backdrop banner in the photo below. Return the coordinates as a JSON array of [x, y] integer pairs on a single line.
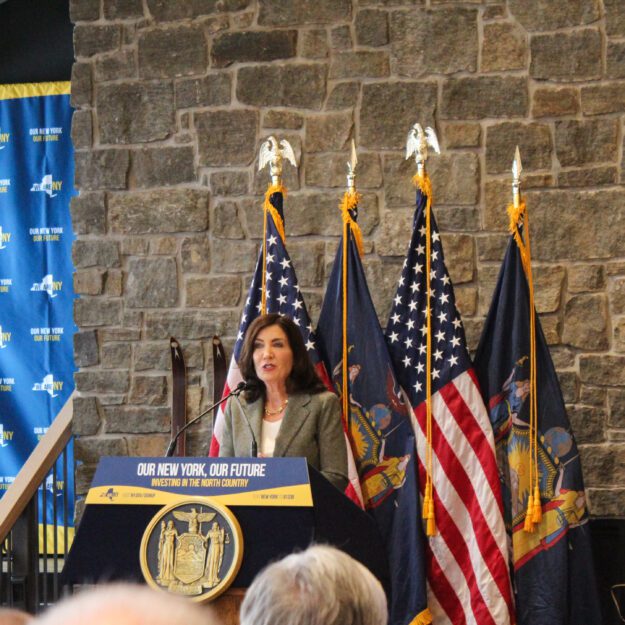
[[36, 289]]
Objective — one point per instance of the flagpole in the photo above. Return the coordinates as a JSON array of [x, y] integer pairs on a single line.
[[517, 168], [417, 144], [518, 214], [349, 202]]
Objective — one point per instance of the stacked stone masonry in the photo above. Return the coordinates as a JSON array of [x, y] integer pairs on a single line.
[[173, 100]]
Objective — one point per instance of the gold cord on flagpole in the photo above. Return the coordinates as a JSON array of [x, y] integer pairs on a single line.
[[345, 389], [268, 207], [349, 202], [533, 513], [536, 510], [517, 211], [422, 182], [263, 293]]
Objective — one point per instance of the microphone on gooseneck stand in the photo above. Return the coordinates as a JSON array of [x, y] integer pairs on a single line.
[[254, 448], [241, 386]]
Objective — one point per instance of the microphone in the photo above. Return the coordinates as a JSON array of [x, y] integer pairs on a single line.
[[254, 448], [241, 386]]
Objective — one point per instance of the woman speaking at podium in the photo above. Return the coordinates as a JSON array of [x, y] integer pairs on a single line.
[[285, 410]]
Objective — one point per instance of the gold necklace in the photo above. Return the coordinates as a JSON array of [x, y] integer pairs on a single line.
[[273, 413]]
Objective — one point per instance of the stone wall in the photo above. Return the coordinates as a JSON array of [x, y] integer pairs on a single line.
[[173, 99]]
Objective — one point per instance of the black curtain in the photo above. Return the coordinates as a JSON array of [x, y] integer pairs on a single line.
[[35, 41]]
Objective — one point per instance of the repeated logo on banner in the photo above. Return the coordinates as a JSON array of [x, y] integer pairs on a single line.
[[36, 294]]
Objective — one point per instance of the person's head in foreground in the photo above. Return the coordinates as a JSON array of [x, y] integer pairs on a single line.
[[11, 616], [319, 586], [126, 604]]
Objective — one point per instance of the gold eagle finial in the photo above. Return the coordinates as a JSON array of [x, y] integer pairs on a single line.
[[273, 153]]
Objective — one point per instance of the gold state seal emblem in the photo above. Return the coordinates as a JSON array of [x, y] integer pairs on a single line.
[[200, 562]]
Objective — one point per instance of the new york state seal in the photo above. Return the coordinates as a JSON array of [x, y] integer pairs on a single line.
[[192, 548]]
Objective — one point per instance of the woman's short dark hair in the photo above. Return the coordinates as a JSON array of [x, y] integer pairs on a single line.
[[303, 377]]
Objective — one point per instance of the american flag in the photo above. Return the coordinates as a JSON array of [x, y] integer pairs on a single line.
[[283, 296], [468, 575]]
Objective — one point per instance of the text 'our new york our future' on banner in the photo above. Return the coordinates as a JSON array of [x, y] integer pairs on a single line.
[[36, 288]]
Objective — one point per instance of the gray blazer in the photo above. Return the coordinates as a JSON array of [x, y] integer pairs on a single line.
[[311, 428]]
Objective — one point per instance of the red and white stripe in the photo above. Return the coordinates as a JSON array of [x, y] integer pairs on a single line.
[[233, 378], [468, 575]]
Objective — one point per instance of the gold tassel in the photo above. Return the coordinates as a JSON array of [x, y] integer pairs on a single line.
[[423, 618], [431, 508], [431, 526], [529, 523], [537, 512], [427, 506]]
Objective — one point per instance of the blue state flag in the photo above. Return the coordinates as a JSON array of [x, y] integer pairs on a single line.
[[540, 471], [378, 422]]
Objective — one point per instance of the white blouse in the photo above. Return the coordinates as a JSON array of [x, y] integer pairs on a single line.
[[268, 434]]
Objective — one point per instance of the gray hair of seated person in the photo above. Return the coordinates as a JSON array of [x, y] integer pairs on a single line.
[[319, 586], [126, 604]]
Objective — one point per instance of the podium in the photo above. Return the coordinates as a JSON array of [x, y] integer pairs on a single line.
[[107, 542]]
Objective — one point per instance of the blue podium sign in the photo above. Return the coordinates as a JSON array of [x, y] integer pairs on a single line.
[[230, 481]]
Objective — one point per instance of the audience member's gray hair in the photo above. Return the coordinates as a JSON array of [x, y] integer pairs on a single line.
[[126, 604], [319, 586]]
